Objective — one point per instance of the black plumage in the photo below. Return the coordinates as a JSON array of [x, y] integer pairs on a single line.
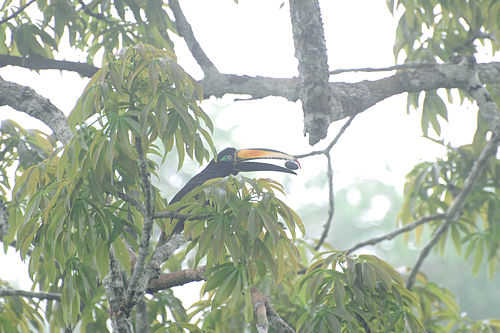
[[230, 161]]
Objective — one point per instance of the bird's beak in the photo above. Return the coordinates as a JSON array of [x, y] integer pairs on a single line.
[[242, 157]]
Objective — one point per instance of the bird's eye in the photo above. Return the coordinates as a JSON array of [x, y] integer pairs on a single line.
[[229, 157]]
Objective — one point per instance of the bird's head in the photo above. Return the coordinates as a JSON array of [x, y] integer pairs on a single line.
[[232, 161]]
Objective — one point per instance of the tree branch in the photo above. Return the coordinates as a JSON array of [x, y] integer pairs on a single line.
[[266, 315], [383, 69], [179, 278], [39, 63], [4, 220], [29, 294], [170, 215], [89, 12], [310, 50], [331, 204], [331, 201], [135, 288], [455, 209], [489, 111], [353, 97], [25, 99], [334, 141], [17, 12], [184, 29], [259, 307], [390, 235], [132, 201], [142, 316], [115, 291]]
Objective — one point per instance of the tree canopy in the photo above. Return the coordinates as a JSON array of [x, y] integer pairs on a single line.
[[80, 205]]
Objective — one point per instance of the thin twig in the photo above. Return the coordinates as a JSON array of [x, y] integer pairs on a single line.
[[331, 198], [134, 202], [38, 63], [488, 111], [184, 29], [383, 69], [455, 209], [30, 294], [17, 12], [182, 217], [89, 12], [390, 235], [331, 204], [333, 142]]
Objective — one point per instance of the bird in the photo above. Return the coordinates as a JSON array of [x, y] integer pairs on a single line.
[[232, 161]]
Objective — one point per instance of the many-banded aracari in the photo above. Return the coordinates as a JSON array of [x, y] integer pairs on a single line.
[[231, 161]]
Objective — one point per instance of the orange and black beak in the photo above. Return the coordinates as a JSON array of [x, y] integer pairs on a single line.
[[243, 156]]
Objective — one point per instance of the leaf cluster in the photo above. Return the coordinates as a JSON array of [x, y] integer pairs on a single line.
[[18, 314], [90, 26], [243, 233], [435, 30], [432, 186], [73, 203]]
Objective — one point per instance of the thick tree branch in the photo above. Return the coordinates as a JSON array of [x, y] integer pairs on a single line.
[[390, 235], [353, 97], [17, 12], [266, 315], [184, 29], [310, 50], [162, 253], [115, 291], [135, 288], [25, 99], [39, 63], [174, 279], [142, 316], [29, 294], [259, 307]]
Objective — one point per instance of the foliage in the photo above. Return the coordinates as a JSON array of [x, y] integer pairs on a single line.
[[430, 189], [435, 32], [18, 314], [97, 26], [67, 212], [73, 208]]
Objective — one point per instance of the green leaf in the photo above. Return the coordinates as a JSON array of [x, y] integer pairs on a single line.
[[478, 256], [121, 254], [179, 143], [225, 289], [102, 258]]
